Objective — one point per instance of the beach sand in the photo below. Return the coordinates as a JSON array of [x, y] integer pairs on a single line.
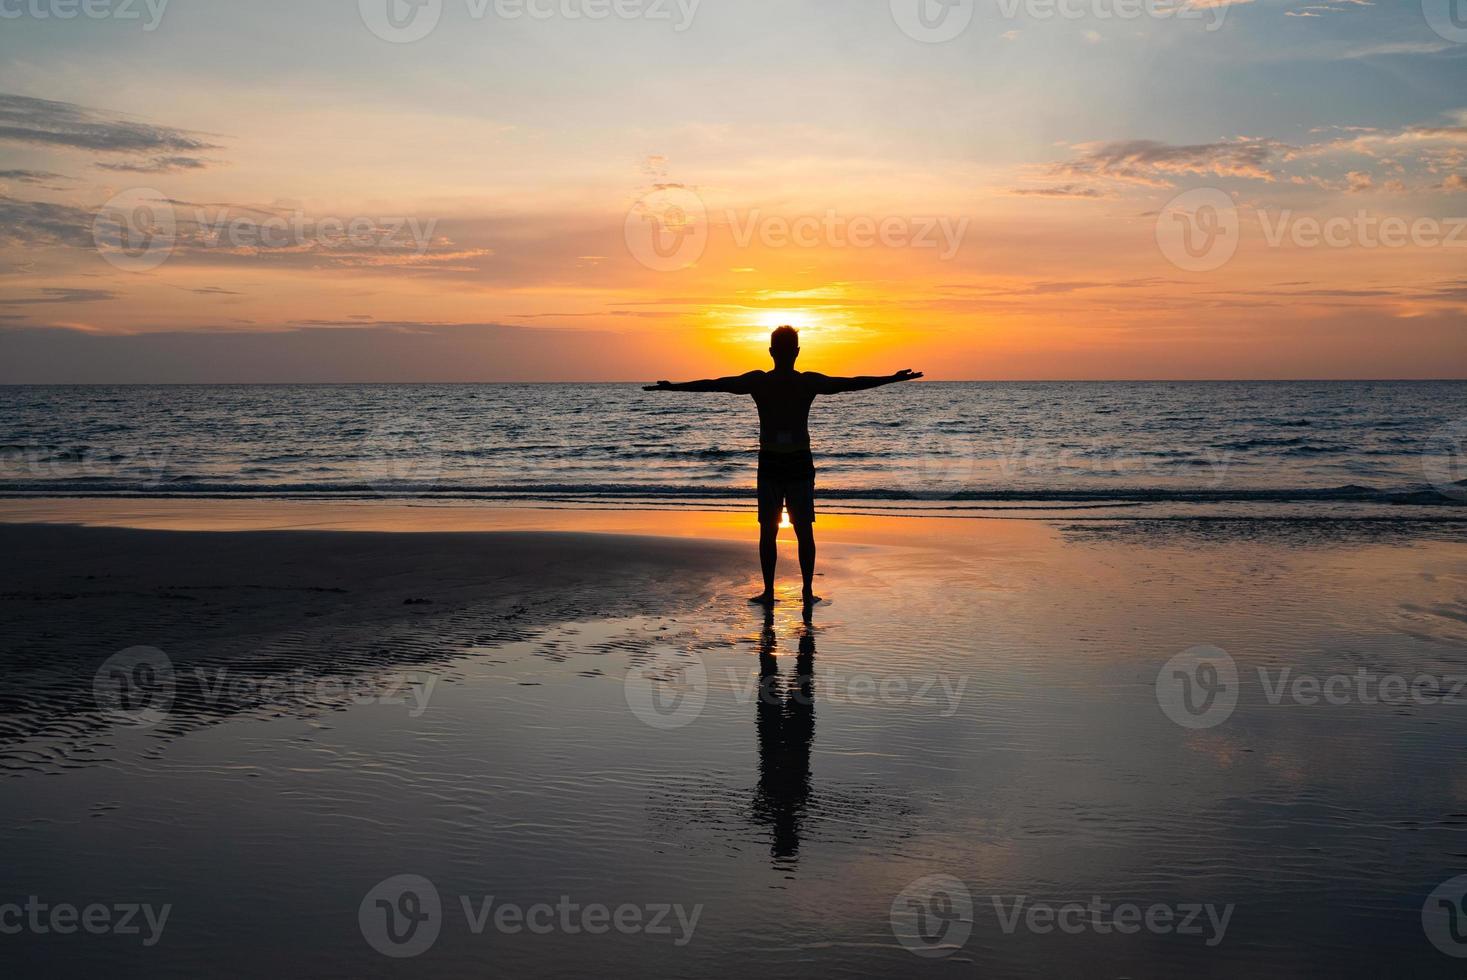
[[305, 700]]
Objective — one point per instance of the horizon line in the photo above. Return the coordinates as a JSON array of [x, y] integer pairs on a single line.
[[324, 384]]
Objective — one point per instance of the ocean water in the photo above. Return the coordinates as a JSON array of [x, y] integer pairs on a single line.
[[912, 447]]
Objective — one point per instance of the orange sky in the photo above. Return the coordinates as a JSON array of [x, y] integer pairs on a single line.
[[1046, 200]]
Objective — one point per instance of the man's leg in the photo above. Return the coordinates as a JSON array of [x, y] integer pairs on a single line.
[[768, 557], [771, 501], [806, 535], [802, 516]]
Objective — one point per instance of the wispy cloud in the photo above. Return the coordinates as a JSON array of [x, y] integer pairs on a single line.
[[1397, 48], [157, 165], [31, 176], [1156, 164], [58, 294], [1332, 7], [42, 122], [41, 223], [1060, 191], [212, 291], [1343, 159]]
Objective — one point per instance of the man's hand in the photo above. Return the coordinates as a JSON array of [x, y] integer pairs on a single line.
[[835, 386], [659, 386]]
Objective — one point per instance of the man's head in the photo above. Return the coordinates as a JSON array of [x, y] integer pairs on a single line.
[[784, 346]]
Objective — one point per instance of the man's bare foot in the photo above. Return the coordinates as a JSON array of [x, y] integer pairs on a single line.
[[764, 599], [811, 599]]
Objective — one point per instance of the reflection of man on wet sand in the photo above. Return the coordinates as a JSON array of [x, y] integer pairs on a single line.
[[786, 726], [786, 466]]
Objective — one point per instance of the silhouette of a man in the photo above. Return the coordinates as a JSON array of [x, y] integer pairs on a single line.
[[786, 466]]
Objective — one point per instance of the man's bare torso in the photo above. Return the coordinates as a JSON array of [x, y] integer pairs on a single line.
[[784, 399]]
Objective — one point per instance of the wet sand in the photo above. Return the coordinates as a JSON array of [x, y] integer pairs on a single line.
[[275, 603], [595, 716]]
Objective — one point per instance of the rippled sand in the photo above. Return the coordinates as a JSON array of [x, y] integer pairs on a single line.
[[606, 719]]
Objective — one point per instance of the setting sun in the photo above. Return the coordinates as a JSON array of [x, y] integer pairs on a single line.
[[798, 319]]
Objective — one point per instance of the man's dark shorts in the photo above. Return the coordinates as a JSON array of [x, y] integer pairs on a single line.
[[786, 480]]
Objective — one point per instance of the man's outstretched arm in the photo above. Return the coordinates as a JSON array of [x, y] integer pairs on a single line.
[[834, 386], [742, 384]]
